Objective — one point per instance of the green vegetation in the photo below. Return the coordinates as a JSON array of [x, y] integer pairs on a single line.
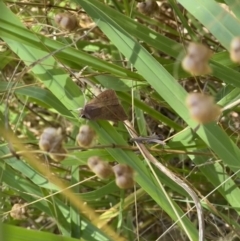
[[48, 72]]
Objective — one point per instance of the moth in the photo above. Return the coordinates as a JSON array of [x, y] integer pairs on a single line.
[[105, 106]]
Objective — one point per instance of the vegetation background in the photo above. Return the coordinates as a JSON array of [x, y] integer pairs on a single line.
[[139, 57]]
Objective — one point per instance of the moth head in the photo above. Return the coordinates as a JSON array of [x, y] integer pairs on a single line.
[[83, 114]]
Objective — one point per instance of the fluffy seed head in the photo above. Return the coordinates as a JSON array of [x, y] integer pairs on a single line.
[[195, 99], [235, 50], [86, 136], [59, 154], [93, 161], [18, 211], [194, 67], [199, 52], [196, 60], [66, 21], [123, 170], [124, 175], [124, 182], [148, 7], [44, 144], [202, 108], [101, 168], [51, 138]]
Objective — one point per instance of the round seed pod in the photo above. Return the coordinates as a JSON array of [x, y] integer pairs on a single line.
[[202, 108], [196, 60], [122, 169], [59, 154], [86, 136], [18, 211], [195, 67], [199, 52], [149, 7], [124, 182], [235, 50], [102, 169], [51, 138], [66, 21], [124, 176], [44, 144]]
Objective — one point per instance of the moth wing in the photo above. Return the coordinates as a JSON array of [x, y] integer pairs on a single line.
[[113, 113], [106, 97], [119, 113], [105, 106]]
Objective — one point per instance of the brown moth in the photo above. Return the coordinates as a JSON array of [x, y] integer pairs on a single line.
[[106, 106]]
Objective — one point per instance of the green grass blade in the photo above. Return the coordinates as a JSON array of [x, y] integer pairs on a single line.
[[217, 20], [12, 233]]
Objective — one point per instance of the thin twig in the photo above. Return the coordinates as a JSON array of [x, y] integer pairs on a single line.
[[148, 156], [131, 148]]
